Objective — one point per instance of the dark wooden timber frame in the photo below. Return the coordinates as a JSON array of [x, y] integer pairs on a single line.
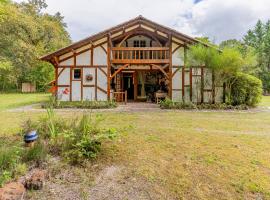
[[163, 36]]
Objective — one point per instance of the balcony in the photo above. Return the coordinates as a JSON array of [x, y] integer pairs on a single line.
[[140, 55]]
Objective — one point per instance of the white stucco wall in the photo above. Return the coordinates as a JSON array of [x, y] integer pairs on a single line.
[[177, 85], [101, 79], [61, 96], [68, 62], [177, 95], [89, 93], [102, 83], [100, 57], [101, 96], [76, 90], [64, 79], [178, 55], [207, 79], [196, 89], [84, 58], [89, 71]]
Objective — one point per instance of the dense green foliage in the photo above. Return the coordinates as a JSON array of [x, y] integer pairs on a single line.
[[229, 66], [26, 33], [259, 39], [246, 89], [169, 104], [85, 104]]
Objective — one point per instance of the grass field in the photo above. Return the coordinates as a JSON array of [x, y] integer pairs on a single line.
[[182, 155], [265, 101], [13, 100]]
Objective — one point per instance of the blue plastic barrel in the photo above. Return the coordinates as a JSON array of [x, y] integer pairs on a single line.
[[31, 136]]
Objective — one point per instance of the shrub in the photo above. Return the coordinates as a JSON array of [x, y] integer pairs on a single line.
[[169, 104], [85, 140], [9, 159], [166, 103], [246, 89], [81, 104], [37, 154]]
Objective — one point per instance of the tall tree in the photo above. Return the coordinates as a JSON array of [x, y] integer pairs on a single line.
[[259, 39], [26, 33]]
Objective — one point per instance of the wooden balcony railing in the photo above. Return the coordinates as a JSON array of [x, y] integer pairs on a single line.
[[140, 55]]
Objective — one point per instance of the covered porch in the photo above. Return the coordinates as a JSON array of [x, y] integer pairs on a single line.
[[140, 84]]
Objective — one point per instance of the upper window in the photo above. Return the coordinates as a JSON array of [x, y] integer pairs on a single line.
[[136, 43], [142, 43], [139, 43], [77, 74]]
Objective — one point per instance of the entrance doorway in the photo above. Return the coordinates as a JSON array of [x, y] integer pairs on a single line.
[[128, 85]]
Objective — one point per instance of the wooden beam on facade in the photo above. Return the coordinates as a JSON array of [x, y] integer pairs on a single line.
[[124, 39], [61, 71], [170, 66], [102, 90], [109, 46], [82, 74], [118, 70], [162, 70], [104, 49], [177, 69], [178, 47]]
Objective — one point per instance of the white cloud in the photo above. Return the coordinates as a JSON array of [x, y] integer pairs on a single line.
[[218, 19], [221, 20]]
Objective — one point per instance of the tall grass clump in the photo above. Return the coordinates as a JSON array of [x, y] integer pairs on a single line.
[[73, 139], [9, 160]]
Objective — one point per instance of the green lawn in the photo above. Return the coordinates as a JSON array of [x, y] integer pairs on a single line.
[[184, 155], [14, 100], [265, 101], [189, 155]]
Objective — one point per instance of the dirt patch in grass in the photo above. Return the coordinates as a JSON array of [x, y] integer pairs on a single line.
[[111, 182], [115, 182]]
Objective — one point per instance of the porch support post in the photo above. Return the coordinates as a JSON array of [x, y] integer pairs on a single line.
[[109, 67], [170, 66]]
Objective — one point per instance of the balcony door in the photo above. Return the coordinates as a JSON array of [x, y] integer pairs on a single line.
[[139, 43]]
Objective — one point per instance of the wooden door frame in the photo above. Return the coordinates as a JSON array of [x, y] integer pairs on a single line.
[[135, 83]]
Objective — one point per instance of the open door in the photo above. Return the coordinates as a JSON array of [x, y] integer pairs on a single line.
[[128, 85]]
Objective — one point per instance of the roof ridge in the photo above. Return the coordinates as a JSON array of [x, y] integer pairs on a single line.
[[90, 39]]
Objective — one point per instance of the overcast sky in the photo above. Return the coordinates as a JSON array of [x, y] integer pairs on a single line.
[[217, 19]]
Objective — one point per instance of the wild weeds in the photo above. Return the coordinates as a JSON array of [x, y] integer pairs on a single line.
[[75, 139]]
